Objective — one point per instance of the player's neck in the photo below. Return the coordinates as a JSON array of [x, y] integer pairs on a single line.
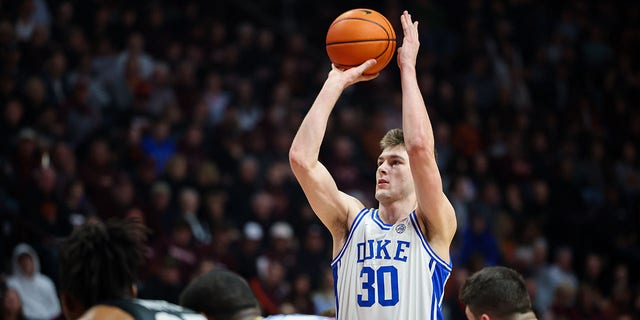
[[247, 314], [395, 211], [525, 316]]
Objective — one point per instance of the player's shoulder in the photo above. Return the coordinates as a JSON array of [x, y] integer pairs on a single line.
[[104, 312], [140, 309]]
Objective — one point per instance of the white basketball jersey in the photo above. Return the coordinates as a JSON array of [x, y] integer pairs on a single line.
[[388, 271]]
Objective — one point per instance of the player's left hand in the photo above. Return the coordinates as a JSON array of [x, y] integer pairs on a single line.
[[348, 77], [408, 52]]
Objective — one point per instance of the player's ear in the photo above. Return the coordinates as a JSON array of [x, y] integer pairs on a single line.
[[134, 290], [485, 316], [71, 307]]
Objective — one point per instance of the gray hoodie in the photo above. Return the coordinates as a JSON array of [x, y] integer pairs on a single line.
[[38, 293]]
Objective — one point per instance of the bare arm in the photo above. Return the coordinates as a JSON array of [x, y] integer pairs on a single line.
[[434, 209], [335, 209], [101, 312]]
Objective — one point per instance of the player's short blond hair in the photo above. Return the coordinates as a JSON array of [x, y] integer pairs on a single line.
[[395, 137], [392, 138]]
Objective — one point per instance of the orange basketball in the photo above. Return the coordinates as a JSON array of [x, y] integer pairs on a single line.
[[359, 35]]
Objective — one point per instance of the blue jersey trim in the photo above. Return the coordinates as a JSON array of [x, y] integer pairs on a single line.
[[425, 244], [376, 218], [334, 269], [354, 225], [443, 284]]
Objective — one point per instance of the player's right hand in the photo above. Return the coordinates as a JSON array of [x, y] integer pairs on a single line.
[[352, 75]]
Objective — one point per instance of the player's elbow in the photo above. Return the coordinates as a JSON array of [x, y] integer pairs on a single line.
[[420, 148], [298, 160]]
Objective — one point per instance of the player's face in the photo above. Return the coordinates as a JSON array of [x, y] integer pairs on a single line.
[[393, 177]]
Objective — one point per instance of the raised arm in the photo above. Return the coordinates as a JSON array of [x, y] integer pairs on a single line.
[[335, 209], [436, 213]]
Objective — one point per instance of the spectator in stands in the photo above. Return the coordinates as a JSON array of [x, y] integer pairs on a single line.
[[558, 275], [36, 290], [534, 122], [10, 304], [323, 298]]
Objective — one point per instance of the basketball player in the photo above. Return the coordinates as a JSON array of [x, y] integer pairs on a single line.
[[98, 271], [224, 295], [496, 293], [390, 262]]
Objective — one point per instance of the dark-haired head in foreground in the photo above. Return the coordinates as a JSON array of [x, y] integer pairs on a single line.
[[98, 271], [224, 295], [496, 293], [99, 262]]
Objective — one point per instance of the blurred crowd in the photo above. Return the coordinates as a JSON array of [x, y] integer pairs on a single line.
[[181, 113]]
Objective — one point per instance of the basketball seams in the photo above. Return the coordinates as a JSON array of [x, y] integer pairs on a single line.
[[390, 27], [387, 40], [352, 31], [383, 50], [360, 19], [358, 41], [370, 21]]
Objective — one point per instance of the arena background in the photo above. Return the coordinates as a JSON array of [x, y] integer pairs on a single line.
[[182, 113]]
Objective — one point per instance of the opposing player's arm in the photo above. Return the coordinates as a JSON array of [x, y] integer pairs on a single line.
[[335, 209], [434, 209]]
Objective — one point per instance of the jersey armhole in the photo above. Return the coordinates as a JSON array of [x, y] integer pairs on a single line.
[[354, 225], [425, 243]]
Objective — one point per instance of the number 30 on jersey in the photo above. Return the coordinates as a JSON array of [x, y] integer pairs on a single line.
[[379, 286]]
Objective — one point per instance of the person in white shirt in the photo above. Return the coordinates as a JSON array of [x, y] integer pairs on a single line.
[[36, 290]]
